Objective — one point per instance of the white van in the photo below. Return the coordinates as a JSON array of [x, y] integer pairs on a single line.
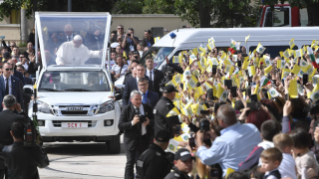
[[274, 39], [74, 88]]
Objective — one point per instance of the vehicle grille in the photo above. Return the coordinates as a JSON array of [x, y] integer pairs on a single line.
[[58, 123], [74, 112]]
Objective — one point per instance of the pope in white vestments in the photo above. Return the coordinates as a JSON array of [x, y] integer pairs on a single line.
[[75, 53]]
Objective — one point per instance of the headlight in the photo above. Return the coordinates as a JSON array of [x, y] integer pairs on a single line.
[[44, 107], [105, 107]]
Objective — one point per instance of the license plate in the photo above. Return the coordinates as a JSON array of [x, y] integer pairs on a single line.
[[74, 108], [74, 125]]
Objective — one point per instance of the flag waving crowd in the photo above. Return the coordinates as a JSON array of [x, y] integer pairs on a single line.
[[277, 94]]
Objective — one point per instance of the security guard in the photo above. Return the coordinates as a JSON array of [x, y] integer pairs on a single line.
[[153, 163], [162, 108], [183, 165]]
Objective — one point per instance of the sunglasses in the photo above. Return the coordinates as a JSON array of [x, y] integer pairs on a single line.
[[8, 69]]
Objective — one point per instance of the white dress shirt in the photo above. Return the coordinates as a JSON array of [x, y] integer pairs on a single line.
[[143, 129], [117, 69], [148, 73], [5, 83]]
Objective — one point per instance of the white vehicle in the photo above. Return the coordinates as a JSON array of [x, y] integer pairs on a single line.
[[274, 39], [73, 98]]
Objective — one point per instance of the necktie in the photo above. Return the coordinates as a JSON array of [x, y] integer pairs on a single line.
[[144, 98], [137, 111], [68, 38], [7, 86], [151, 80]]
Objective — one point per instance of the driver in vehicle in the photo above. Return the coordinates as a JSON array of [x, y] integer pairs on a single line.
[[54, 82], [75, 53], [94, 81]]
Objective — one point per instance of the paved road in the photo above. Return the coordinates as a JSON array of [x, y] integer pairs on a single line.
[[82, 160]]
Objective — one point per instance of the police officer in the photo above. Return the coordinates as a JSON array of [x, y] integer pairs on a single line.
[[153, 163], [162, 108], [182, 165]]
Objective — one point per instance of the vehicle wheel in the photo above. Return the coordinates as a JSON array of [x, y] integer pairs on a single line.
[[114, 146]]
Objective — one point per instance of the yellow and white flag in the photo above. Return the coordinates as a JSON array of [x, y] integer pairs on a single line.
[[315, 93], [260, 49], [273, 92], [292, 43], [285, 73], [246, 38], [251, 71]]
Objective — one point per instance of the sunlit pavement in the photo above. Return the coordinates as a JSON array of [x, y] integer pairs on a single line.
[[82, 160]]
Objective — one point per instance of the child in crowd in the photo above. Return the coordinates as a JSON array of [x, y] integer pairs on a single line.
[[305, 159], [271, 159], [269, 129], [287, 166]]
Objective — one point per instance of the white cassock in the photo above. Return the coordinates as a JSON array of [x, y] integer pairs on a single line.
[[69, 55]]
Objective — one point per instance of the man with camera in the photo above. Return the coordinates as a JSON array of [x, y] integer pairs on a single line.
[[8, 117], [162, 108], [153, 163], [21, 161], [130, 41], [230, 148], [137, 123]]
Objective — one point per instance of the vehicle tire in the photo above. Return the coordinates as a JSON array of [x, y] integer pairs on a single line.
[[114, 146]]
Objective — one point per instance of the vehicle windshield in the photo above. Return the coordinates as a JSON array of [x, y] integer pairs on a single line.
[[74, 81], [72, 39], [158, 54]]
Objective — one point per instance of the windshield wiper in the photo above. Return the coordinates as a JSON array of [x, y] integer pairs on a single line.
[[48, 89], [76, 89]]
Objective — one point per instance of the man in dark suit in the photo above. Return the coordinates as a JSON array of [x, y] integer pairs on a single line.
[[16, 73], [28, 81], [130, 69], [68, 34], [131, 84], [95, 41], [23, 162], [26, 96], [137, 134], [155, 76], [8, 117], [148, 97], [10, 84]]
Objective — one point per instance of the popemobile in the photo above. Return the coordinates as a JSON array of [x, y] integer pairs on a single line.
[[74, 86]]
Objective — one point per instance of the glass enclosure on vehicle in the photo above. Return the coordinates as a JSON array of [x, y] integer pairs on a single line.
[[158, 54], [74, 81], [73, 39]]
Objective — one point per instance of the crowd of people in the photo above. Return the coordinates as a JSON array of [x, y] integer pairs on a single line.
[[208, 113], [223, 113]]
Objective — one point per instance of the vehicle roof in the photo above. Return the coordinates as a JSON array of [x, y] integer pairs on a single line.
[[74, 68], [201, 35]]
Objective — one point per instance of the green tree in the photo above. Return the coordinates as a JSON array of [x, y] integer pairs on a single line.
[[55, 5], [237, 13], [201, 13], [128, 7], [158, 7]]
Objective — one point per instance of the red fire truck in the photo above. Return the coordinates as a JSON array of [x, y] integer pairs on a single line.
[[283, 16]]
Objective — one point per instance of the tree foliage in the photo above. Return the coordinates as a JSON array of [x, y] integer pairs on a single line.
[[128, 7], [55, 5], [158, 7]]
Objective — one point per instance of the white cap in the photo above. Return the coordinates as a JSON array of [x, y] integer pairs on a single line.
[[77, 38]]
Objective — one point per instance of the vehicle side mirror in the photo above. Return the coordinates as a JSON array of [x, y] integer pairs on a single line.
[[28, 89]]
